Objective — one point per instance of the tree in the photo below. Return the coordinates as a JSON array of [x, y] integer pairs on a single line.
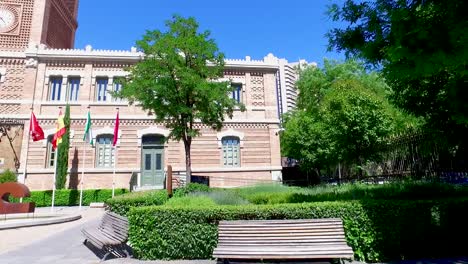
[[342, 115], [62, 150], [176, 81], [422, 49]]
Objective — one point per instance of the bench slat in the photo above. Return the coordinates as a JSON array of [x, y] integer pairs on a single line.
[[292, 240], [301, 233], [284, 256], [284, 248], [281, 221], [281, 243], [267, 225]]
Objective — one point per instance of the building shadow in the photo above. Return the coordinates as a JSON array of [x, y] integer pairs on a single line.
[[101, 253], [73, 181]]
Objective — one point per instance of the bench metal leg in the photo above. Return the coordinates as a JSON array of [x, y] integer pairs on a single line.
[[126, 253], [105, 256]]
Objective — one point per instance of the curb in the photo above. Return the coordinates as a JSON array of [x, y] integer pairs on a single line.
[[50, 219]]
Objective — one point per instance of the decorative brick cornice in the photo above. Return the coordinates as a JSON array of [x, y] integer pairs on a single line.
[[65, 13], [12, 61]]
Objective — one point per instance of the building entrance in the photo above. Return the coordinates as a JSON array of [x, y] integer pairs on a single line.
[[152, 161]]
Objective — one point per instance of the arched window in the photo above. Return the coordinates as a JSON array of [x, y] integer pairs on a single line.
[[104, 151], [231, 151], [50, 155]]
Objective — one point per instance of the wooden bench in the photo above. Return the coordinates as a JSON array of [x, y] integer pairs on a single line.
[[111, 235], [282, 240]]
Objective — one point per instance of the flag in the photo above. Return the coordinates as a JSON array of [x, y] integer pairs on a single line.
[[116, 130], [36, 131], [88, 135], [60, 131]]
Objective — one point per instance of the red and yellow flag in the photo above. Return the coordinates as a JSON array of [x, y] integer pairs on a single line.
[[60, 131]]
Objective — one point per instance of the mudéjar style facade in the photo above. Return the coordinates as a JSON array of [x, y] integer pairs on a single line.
[[41, 71]]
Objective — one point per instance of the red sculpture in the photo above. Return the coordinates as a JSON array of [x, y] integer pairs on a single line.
[[17, 190]]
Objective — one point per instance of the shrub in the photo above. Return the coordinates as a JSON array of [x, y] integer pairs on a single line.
[[377, 230], [222, 197], [71, 197], [191, 201], [190, 188], [122, 204], [7, 176], [393, 191]]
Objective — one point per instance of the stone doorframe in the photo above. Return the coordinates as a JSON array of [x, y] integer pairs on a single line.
[[152, 130]]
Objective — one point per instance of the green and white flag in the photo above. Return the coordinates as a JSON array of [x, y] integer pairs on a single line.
[[88, 135]]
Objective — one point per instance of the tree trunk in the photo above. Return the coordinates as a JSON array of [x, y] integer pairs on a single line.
[[188, 161]]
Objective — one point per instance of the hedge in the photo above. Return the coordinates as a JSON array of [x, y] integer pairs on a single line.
[[377, 230], [71, 197], [7, 176], [122, 204]]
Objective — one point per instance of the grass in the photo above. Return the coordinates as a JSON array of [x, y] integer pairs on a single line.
[[274, 194]]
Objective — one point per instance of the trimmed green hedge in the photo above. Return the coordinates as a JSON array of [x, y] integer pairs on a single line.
[[71, 197], [7, 176], [122, 204], [191, 188], [377, 230]]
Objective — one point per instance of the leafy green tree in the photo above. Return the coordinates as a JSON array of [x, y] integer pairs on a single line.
[[62, 150], [176, 81], [342, 115], [422, 49]]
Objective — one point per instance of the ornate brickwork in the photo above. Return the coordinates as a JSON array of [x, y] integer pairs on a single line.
[[72, 5], [257, 91], [64, 65], [60, 33], [10, 108], [12, 87], [19, 41], [228, 73]]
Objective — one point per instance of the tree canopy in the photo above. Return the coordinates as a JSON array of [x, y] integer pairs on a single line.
[[421, 47], [342, 115], [176, 81]]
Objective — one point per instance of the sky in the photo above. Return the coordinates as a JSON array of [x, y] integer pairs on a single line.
[[292, 29]]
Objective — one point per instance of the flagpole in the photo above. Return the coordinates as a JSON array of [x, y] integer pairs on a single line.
[[55, 167], [55, 178], [84, 162], [116, 131], [113, 174], [82, 175], [27, 151]]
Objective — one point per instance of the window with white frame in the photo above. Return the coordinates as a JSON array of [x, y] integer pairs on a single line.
[[104, 151], [73, 89], [55, 88], [50, 155], [231, 151], [236, 92], [117, 87], [101, 89]]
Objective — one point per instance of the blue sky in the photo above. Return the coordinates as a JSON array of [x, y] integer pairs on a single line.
[[292, 29]]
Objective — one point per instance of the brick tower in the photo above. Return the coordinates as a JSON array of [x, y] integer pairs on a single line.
[[23, 24], [49, 22]]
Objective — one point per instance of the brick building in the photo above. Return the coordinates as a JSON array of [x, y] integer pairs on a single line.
[[41, 70]]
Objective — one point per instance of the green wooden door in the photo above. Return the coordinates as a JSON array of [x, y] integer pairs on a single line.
[[158, 166], [152, 167]]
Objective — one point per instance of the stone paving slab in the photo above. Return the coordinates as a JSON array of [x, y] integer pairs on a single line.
[[17, 238]]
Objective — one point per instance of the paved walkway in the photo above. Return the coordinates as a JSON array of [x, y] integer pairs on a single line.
[[60, 243]]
